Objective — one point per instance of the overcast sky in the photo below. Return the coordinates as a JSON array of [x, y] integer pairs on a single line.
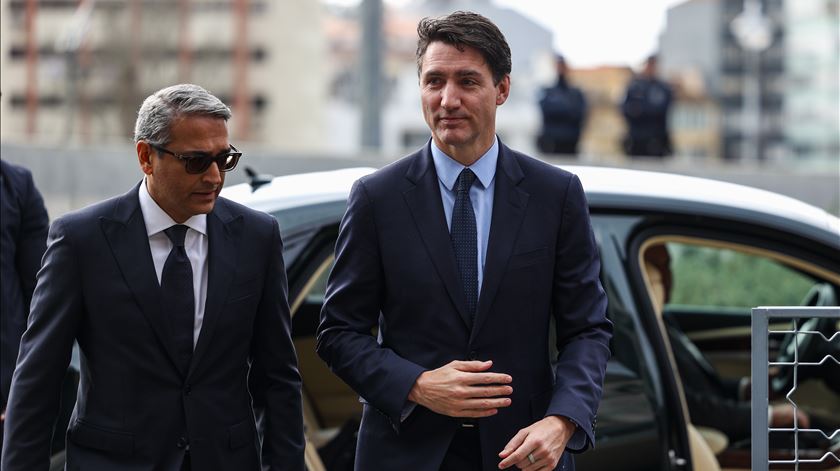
[[592, 32]]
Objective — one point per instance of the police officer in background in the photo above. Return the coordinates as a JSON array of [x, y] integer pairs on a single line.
[[563, 110], [645, 108]]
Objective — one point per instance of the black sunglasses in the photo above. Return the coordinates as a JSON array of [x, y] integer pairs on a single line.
[[199, 162]]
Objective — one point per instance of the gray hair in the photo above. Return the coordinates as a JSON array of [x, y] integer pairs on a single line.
[[162, 108]]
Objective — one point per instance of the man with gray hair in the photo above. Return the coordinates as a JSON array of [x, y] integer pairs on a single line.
[[178, 300]]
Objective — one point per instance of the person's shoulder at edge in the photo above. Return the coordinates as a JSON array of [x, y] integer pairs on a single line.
[[395, 171], [537, 170], [14, 170]]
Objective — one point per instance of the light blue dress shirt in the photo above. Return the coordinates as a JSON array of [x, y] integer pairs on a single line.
[[481, 193]]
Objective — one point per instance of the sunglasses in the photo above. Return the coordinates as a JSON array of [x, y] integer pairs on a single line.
[[199, 162]]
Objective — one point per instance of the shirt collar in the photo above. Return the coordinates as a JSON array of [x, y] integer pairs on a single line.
[[448, 168], [157, 220]]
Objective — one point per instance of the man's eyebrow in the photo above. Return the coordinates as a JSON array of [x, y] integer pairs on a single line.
[[459, 73]]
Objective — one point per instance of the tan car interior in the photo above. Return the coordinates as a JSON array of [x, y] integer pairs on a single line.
[[328, 402], [707, 443]]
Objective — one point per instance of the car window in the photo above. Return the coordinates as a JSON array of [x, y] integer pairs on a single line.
[[722, 278]]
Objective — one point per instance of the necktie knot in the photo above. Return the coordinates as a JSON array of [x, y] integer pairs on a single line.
[[176, 234], [465, 181]]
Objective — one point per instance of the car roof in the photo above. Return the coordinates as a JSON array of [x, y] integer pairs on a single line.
[[303, 189], [606, 188]]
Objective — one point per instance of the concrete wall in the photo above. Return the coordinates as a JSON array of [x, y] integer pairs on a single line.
[[71, 178]]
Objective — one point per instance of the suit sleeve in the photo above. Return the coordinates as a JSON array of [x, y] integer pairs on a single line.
[[32, 241], [27, 236], [45, 349], [583, 331], [274, 379], [351, 310]]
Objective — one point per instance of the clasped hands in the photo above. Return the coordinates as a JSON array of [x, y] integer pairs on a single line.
[[467, 389]]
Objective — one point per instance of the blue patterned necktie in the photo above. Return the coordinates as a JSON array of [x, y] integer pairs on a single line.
[[176, 283], [464, 239]]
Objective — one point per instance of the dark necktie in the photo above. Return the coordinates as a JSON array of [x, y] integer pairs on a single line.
[[176, 285], [464, 239]]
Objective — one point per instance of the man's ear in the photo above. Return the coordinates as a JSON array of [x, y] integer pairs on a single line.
[[503, 90], [144, 156]]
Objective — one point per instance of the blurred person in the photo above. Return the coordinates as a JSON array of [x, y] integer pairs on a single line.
[[23, 239], [645, 108], [563, 110], [714, 401], [460, 254], [178, 301]]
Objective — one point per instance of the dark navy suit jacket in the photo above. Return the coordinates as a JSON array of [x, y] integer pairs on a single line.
[[135, 409], [395, 270], [23, 238]]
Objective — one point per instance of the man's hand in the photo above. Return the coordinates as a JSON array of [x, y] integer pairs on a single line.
[[543, 442], [782, 416], [462, 389]]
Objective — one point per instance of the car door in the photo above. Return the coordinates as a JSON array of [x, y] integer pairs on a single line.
[[718, 276], [712, 274], [640, 421]]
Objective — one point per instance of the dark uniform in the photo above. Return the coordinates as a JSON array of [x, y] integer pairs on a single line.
[[645, 108], [563, 109]]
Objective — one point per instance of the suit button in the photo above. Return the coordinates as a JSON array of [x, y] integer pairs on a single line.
[[182, 442], [187, 389], [473, 355]]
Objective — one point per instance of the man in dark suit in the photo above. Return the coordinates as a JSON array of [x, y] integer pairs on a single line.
[[563, 108], [646, 105], [178, 301], [461, 254], [23, 238]]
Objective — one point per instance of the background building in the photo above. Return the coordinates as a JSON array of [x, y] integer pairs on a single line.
[[771, 82], [798, 75], [812, 92], [403, 127], [74, 72], [698, 39], [604, 127], [690, 43]]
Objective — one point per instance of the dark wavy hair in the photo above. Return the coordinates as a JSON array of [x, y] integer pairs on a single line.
[[461, 29]]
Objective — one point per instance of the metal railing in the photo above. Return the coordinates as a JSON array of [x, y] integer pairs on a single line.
[[761, 430]]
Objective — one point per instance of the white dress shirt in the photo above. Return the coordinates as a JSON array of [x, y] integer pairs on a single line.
[[195, 243]]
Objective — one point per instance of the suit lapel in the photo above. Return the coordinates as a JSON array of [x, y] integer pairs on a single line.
[[129, 242], [426, 206], [223, 233], [509, 203]]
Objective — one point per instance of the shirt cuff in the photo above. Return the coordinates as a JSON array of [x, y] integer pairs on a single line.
[[578, 440], [408, 408]]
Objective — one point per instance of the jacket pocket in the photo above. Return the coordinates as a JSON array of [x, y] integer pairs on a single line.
[[101, 438], [528, 258], [241, 434], [244, 290]]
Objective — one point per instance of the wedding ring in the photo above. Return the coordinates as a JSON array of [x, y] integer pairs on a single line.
[[531, 458]]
